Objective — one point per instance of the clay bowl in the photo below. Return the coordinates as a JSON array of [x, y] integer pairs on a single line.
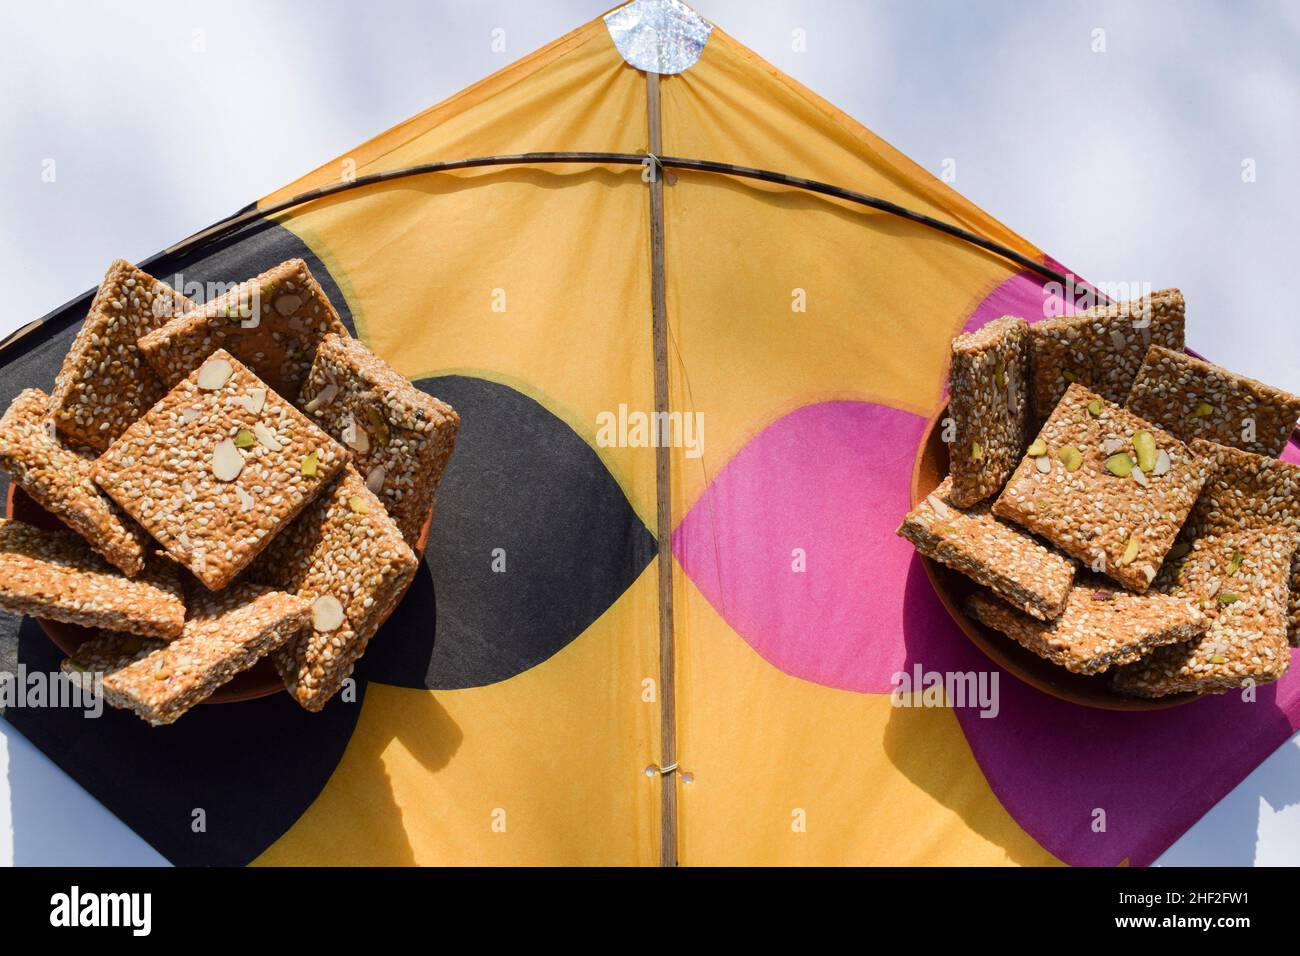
[[261, 680], [930, 469]]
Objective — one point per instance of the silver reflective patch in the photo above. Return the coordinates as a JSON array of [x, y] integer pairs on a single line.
[[658, 36]]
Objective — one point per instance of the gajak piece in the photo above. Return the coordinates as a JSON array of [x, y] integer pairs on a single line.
[[994, 553], [217, 468], [1102, 348], [400, 438], [1240, 580], [55, 575], [60, 482], [225, 633], [990, 406], [1245, 492], [346, 556], [272, 323], [1101, 626], [105, 384], [1194, 399], [1105, 486]]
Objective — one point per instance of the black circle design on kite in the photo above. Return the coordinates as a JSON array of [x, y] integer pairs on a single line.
[[524, 489], [252, 768]]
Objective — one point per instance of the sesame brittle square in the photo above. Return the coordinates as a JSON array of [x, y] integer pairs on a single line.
[[994, 553], [1240, 580], [1101, 627], [399, 436], [989, 405], [1102, 348], [1194, 399], [1245, 492], [1105, 486], [218, 467], [347, 557], [271, 323], [104, 385], [59, 481], [225, 633], [55, 575]]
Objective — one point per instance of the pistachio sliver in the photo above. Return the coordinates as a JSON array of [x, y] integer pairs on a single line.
[[1038, 448], [266, 437], [1235, 564], [1227, 597], [1202, 410], [1130, 551], [358, 505], [1070, 457], [309, 464], [1144, 443], [244, 439], [976, 451], [378, 425], [1094, 408], [1119, 465]]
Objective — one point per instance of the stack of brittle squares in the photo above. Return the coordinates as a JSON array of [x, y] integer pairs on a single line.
[[1119, 503], [203, 462]]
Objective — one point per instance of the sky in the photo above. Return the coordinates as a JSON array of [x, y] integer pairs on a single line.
[[1136, 142]]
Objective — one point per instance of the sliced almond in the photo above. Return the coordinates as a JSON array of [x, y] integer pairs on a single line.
[[1117, 338], [326, 613], [1112, 445], [1043, 464], [246, 501], [214, 373], [375, 480], [1138, 475], [1163, 463], [189, 414], [254, 401], [323, 397], [355, 437], [227, 462], [288, 304], [939, 507], [266, 437]]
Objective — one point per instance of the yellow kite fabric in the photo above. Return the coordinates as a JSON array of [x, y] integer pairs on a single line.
[[559, 751]]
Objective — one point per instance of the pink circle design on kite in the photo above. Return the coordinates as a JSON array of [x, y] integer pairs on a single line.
[[793, 544]]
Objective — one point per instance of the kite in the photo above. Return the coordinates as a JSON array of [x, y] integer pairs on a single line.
[[694, 319]]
